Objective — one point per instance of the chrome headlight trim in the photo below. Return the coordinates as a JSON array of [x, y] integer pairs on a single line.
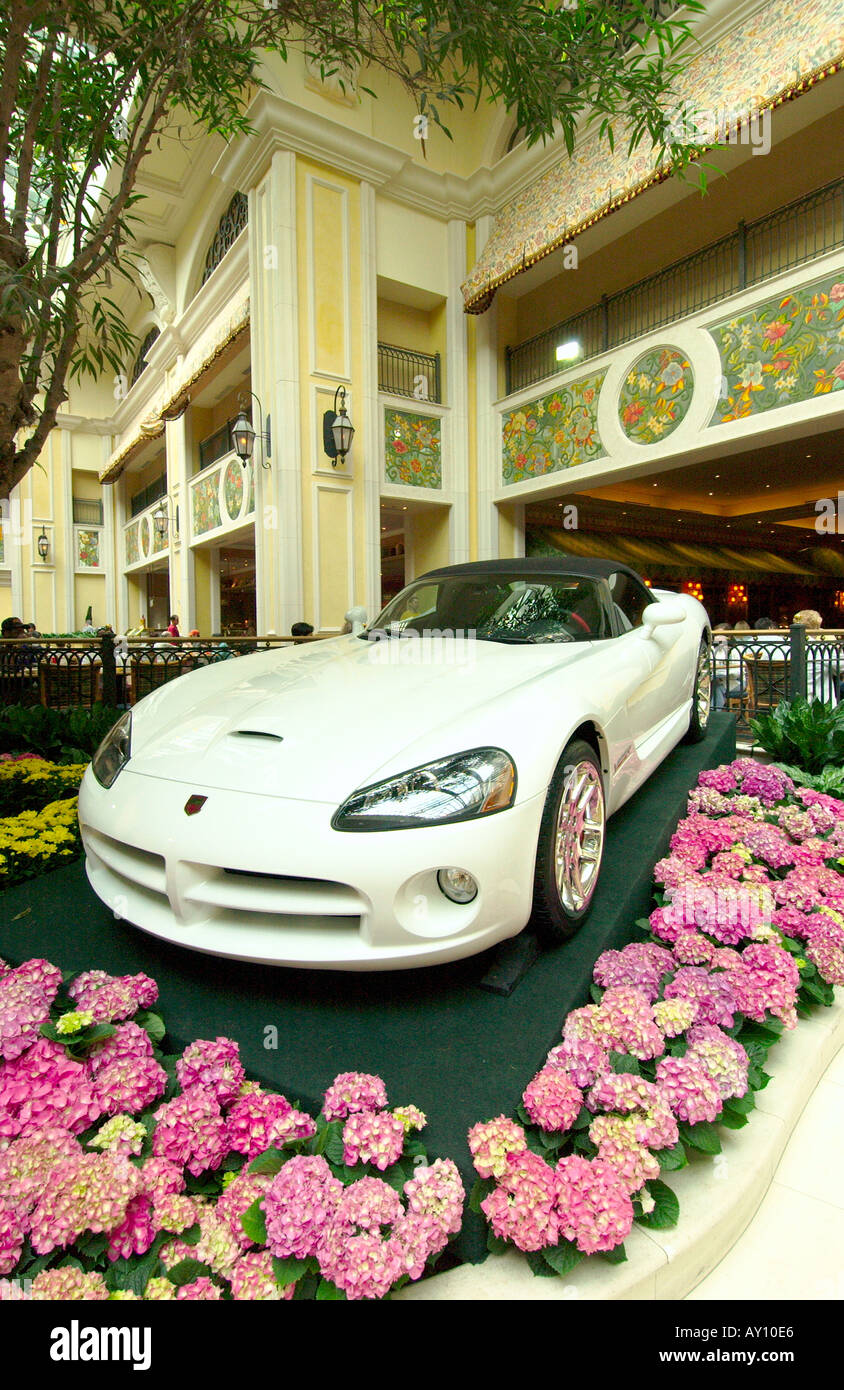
[[463, 786]]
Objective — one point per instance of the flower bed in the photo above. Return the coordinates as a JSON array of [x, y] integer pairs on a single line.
[[28, 783], [35, 841], [128, 1174], [748, 935]]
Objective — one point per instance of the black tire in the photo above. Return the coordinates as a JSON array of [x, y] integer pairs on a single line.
[[701, 703], [554, 919]]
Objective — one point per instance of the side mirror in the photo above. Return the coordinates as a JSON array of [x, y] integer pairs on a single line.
[[663, 614]]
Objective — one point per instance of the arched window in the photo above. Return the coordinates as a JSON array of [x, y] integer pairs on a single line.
[[141, 359], [231, 224]]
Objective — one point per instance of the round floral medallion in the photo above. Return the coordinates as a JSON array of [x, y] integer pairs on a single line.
[[233, 488], [655, 395]]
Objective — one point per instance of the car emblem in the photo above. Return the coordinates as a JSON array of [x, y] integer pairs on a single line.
[[194, 804]]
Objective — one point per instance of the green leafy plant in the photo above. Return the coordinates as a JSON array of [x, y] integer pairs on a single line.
[[804, 735], [62, 736]]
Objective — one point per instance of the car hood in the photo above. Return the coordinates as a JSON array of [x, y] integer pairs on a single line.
[[318, 721]]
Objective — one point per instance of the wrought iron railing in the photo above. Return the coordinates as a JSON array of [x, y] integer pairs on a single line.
[[153, 492], [403, 372], [77, 673], [753, 672], [800, 231], [218, 444]]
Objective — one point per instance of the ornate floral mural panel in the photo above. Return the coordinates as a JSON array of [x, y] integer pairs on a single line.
[[233, 488], [205, 504], [655, 395], [133, 553], [88, 549], [412, 449], [557, 431], [784, 350]]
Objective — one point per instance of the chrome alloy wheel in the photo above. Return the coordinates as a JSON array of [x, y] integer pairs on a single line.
[[579, 836], [703, 686]]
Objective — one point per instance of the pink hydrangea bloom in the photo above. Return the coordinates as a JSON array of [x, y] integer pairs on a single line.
[[688, 1089], [68, 1284], [12, 1236], [236, 1200], [87, 1192], [135, 1233], [490, 1143], [625, 1023], [674, 1016], [722, 1057], [174, 1212], [199, 1290], [618, 1145], [299, 1204], [216, 1066], [120, 1135], [252, 1280], [352, 1092], [691, 948], [552, 1100], [369, 1204], [126, 1075], [45, 1088], [162, 1177], [159, 1290], [593, 1205], [641, 965], [580, 1025], [419, 1237], [584, 1061], [111, 998], [523, 1207], [25, 998], [191, 1130], [361, 1264], [437, 1191], [768, 979], [656, 1127], [713, 993], [28, 1162], [217, 1247], [622, 1092], [373, 1138], [261, 1120]]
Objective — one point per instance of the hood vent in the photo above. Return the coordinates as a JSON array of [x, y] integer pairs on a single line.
[[257, 733]]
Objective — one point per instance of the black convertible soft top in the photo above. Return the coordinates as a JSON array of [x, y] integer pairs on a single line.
[[574, 565]]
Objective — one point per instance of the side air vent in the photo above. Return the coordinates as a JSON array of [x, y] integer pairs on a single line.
[[258, 733]]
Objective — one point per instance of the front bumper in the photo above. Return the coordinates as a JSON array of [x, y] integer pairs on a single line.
[[266, 879]]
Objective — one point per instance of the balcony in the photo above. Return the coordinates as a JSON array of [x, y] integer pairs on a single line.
[[222, 497], [799, 232], [403, 372]]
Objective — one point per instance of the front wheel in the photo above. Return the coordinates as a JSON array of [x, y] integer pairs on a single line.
[[571, 844], [701, 696]]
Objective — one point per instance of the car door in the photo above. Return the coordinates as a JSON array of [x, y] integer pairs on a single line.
[[655, 662]]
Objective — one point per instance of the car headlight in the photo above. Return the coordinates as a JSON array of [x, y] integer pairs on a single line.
[[461, 787], [113, 752]]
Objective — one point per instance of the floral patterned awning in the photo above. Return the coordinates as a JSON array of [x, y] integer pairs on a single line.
[[769, 58]]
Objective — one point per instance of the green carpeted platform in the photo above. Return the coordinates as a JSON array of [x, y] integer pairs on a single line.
[[459, 1052]]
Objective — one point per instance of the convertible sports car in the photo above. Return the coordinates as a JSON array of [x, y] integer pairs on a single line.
[[405, 795]]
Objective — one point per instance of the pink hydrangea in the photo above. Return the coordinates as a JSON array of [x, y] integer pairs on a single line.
[[691, 948], [419, 1237], [216, 1066], [112, 998], [120, 1135], [162, 1177], [12, 1236], [552, 1100], [769, 783], [722, 1057], [252, 1280], [625, 1023], [490, 1143], [191, 1130], [352, 1092], [298, 1204], [45, 1088], [27, 1163], [594, 1208], [827, 955], [25, 998], [69, 1284], [201, 1290], [262, 1120], [688, 1089], [522, 1208], [584, 1061], [656, 1127], [217, 1246], [86, 1192], [369, 1204], [437, 1191], [580, 1025], [712, 992], [617, 1144], [373, 1138], [174, 1212], [126, 1075], [362, 1264], [236, 1199], [622, 1092], [641, 965], [674, 1016], [135, 1233], [768, 979]]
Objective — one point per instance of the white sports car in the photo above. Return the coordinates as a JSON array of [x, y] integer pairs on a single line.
[[409, 794]]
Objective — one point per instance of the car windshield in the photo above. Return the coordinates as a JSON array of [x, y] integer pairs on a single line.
[[498, 608]]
